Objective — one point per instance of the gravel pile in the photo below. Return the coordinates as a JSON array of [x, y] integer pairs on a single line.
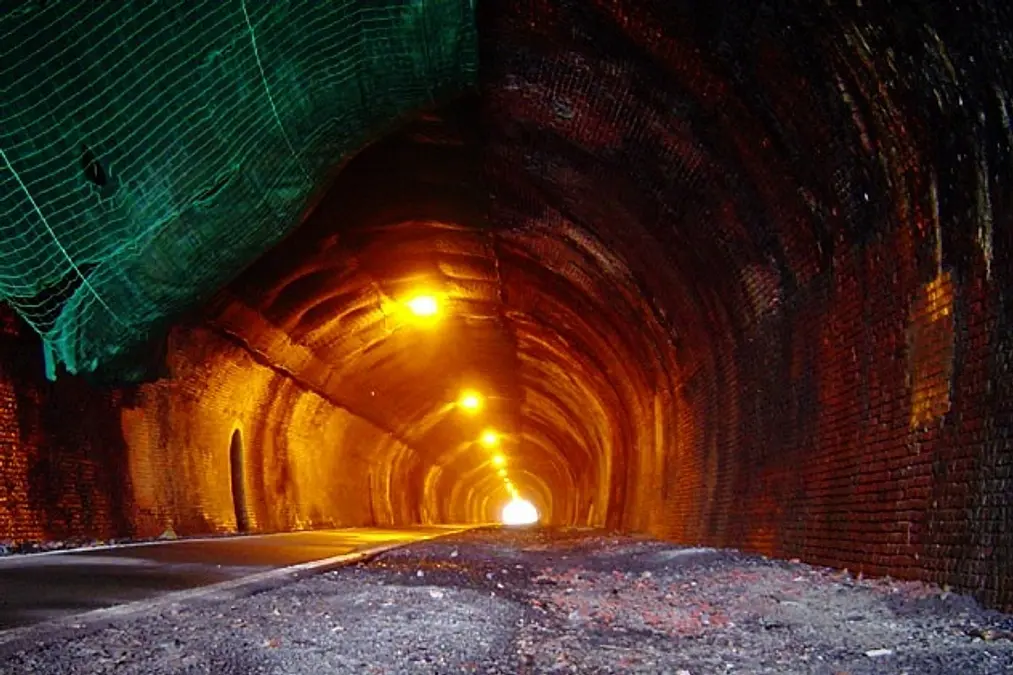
[[525, 601]]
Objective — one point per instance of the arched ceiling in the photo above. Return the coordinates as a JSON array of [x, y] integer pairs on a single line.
[[635, 186]]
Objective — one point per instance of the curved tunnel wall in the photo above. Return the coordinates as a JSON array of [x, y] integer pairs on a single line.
[[811, 197], [731, 283], [84, 463]]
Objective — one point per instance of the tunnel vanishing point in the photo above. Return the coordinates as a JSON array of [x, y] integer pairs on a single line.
[[727, 273]]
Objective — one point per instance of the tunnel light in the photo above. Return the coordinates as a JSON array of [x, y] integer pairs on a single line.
[[423, 306], [489, 439], [499, 460], [519, 512], [470, 402]]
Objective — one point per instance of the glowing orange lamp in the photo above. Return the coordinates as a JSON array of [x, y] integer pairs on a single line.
[[470, 402], [423, 306]]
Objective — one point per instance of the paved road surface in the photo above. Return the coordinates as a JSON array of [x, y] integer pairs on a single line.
[[35, 588]]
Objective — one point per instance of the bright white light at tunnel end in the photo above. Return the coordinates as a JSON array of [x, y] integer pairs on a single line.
[[519, 512]]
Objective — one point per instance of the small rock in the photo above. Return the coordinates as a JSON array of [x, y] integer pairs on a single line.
[[990, 634], [420, 573], [435, 593], [453, 554], [878, 653]]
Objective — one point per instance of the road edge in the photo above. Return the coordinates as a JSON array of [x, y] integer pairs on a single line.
[[79, 625]]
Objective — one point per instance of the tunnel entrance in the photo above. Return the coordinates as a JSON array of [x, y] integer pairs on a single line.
[[238, 482]]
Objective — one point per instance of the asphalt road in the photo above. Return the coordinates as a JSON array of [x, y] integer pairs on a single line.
[[35, 588]]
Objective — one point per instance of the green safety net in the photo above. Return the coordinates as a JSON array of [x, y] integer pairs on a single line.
[[150, 150]]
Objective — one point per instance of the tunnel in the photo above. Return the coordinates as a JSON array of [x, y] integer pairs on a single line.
[[733, 274]]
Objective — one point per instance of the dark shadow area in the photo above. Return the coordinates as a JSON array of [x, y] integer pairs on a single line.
[[238, 473]]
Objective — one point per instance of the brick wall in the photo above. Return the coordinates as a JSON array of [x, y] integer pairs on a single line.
[[869, 426], [62, 471], [77, 462], [828, 237]]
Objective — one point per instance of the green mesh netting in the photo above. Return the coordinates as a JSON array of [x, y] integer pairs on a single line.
[[151, 150]]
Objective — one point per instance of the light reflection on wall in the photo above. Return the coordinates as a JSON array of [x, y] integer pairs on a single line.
[[306, 461]]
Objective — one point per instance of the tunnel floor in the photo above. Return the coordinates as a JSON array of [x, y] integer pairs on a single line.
[[540, 601], [38, 588]]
